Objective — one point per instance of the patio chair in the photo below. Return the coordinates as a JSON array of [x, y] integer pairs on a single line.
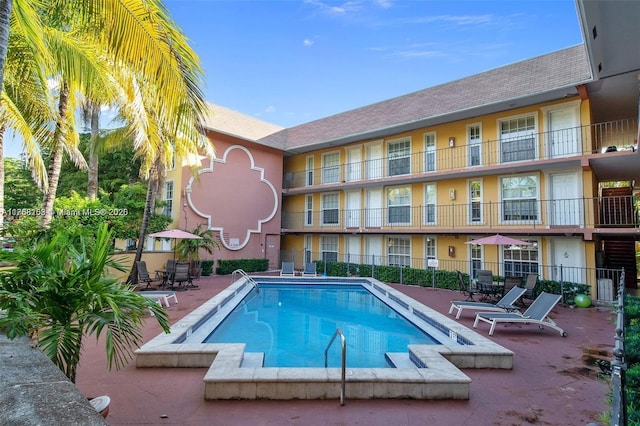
[[484, 282], [510, 282], [530, 287], [287, 270], [143, 274], [537, 313], [309, 270], [506, 304], [181, 276], [464, 288]]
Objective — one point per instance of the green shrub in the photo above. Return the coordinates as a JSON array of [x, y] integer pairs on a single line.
[[632, 357], [226, 267], [207, 267]]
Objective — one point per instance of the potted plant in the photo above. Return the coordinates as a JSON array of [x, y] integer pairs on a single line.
[[188, 249]]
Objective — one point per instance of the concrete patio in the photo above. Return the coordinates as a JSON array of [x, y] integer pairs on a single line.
[[554, 380]]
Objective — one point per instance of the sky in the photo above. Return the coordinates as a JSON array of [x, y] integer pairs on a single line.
[[288, 62]]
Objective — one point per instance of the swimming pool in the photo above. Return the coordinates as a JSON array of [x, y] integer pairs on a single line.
[[292, 324], [422, 371]]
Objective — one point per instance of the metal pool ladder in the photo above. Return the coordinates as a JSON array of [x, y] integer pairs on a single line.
[[242, 273], [344, 360]]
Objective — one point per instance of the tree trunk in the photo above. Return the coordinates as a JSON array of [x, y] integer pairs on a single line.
[[152, 188], [56, 156], [92, 184], [5, 15], [2, 130]]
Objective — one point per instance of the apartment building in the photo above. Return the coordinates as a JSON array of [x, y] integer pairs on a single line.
[[543, 150]]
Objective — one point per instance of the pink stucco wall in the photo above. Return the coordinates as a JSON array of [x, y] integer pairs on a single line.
[[238, 195]]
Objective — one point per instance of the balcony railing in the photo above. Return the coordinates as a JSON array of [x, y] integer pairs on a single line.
[[570, 142], [615, 211]]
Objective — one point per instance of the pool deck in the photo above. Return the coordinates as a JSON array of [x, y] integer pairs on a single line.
[[553, 382]]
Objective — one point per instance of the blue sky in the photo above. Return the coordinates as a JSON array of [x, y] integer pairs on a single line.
[[289, 62], [292, 61]]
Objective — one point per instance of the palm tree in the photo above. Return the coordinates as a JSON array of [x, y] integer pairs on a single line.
[[189, 248], [58, 293]]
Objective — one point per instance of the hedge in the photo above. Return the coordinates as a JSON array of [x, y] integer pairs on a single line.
[[226, 267]]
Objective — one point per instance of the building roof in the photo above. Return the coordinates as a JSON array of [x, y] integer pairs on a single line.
[[539, 79], [234, 123]]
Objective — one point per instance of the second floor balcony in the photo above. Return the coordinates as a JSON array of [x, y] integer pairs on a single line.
[[570, 143], [578, 215]]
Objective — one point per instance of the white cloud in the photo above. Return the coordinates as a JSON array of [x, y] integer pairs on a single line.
[[308, 42]]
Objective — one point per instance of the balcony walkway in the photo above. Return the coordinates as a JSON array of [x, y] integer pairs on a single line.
[[554, 380]]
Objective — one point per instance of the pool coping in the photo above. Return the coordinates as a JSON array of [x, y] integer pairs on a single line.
[[438, 377]]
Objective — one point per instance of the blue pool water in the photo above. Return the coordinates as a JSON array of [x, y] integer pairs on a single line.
[[292, 325]]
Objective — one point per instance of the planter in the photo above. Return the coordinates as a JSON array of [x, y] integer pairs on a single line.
[[582, 300]]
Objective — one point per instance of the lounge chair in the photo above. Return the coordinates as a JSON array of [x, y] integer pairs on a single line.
[[143, 273], [287, 270], [309, 270], [162, 297], [464, 288], [537, 313], [506, 304]]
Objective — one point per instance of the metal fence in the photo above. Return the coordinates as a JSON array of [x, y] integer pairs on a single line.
[[619, 365], [604, 281]]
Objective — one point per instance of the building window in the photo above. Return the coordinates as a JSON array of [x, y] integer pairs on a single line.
[[329, 248], [308, 210], [168, 199], [475, 256], [475, 201], [309, 171], [518, 139], [520, 198], [430, 252], [330, 206], [399, 205], [399, 157], [519, 260], [331, 168], [474, 142], [308, 241], [430, 200], [399, 251], [430, 152]]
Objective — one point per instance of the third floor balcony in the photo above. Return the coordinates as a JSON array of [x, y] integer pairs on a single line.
[[526, 150]]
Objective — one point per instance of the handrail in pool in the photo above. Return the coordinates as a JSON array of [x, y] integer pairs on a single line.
[[242, 273], [344, 360]]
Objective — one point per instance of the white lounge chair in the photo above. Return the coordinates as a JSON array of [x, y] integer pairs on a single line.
[[506, 304], [287, 270], [162, 297], [537, 313], [309, 270]]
